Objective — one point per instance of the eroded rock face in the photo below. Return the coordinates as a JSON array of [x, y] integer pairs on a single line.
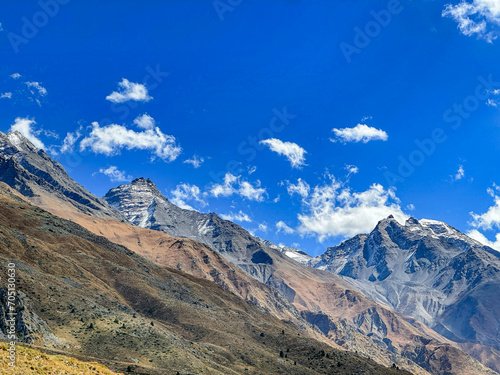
[[28, 326], [32, 172], [306, 296], [143, 205], [428, 270]]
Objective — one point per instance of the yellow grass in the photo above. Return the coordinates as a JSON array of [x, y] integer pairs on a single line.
[[32, 361]]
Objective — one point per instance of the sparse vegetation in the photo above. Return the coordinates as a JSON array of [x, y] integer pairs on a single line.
[[32, 361]]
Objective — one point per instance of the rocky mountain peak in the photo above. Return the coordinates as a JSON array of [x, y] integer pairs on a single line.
[[17, 140], [411, 221], [34, 174]]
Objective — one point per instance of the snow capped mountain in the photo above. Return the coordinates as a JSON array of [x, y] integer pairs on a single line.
[[35, 175], [142, 204], [291, 252], [426, 269], [313, 297]]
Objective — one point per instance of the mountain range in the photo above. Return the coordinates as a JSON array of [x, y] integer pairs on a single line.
[[420, 296]]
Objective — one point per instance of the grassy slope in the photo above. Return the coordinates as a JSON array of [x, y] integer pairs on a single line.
[[104, 301], [32, 361]]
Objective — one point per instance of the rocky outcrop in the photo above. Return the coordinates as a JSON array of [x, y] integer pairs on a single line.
[[430, 271], [33, 173]]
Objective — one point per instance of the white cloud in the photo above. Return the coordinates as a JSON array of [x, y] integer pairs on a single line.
[[334, 210], [32, 86], [292, 151], [235, 185], [1, 27], [474, 17], [240, 216], [187, 192], [114, 174], [250, 192], [491, 103], [263, 227], [25, 127], [252, 169], [282, 227], [301, 188], [70, 140], [410, 207], [478, 236], [109, 140], [460, 173], [145, 121], [351, 169], [360, 133], [491, 218], [195, 161], [129, 91], [15, 76], [7, 95]]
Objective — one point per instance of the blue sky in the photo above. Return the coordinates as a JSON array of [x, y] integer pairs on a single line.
[[303, 121]]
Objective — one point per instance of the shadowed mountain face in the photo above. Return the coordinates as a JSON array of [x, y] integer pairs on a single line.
[[310, 291], [143, 205], [428, 270], [86, 296], [307, 297], [33, 173]]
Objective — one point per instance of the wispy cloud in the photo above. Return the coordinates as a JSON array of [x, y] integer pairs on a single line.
[[359, 133], [459, 174], [36, 88], [351, 169], [70, 140], [15, 76], [282, 227], [292, 151], [187, 192], [114, 174], [129, 91], [301, 188], [235, 185], [263, 227], [475, 18], [195, 161], [240, 216], [6, 95]]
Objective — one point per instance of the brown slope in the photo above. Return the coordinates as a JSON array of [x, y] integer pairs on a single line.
[[32, 362], [346, 317], [82, 293]]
